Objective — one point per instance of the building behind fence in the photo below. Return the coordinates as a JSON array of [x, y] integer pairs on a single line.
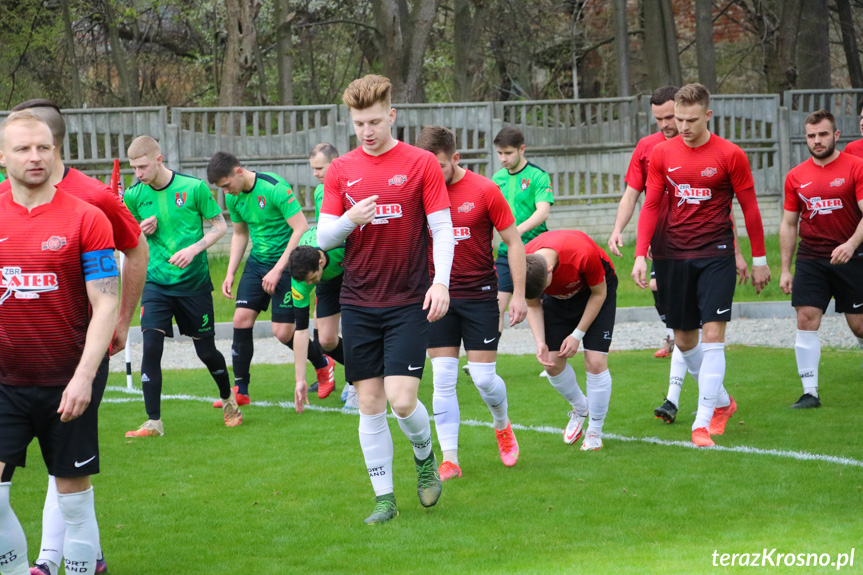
[[584, 145]]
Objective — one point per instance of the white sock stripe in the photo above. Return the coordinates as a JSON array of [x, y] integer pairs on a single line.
[[788, 454]]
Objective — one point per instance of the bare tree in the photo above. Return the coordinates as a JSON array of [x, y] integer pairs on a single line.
[[69, 35], [468, 19], [849, 43], [239, 50], [621, 46], [660, 43], [284, 53], [127, 73], [813, 45], [403, 36], [705, 53]]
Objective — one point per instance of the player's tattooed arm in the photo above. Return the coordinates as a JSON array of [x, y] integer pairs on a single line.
[[184, 257], [109, 286]]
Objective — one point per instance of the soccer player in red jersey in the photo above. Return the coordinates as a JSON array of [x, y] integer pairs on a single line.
[[58, 300], [379, 200], [827, 190], [478, 208], [702, 173], [129, 239], [855, 148], [580, 301]]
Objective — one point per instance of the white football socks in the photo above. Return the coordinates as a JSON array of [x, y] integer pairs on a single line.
[[376, 442], [13, 543], [445, 405], [677, 374], [807, 349], [599, 396], [492, 389], [82, 531], [53, 529], [566, 385], [694, 358], [709, 382], [417, 428]]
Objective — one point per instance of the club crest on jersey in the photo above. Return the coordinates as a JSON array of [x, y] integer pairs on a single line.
[[180, 198], [262, 202], [25, 285], [818, 206], [386, 212], [837, 182], [461, 234], [398, 180], [708, 172], [54, 243], [525, 182], [465, 207]]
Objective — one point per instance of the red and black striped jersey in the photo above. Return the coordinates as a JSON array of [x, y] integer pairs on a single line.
[[386, 261], [636, 178], [855, 148], [827, 199], [701, 183], [580, 261], [45, 256], [478, 207]]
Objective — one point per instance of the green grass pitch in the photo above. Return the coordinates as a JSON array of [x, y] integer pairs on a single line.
[[287, 493]]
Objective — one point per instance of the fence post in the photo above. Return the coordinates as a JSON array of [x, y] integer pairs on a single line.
[[784, 142]]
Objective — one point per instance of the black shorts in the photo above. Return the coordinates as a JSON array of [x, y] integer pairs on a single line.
[[327, 297], [384, 341], [194, 313], [562, 317], [251, 294], [474, 321], [817, 280], [657, 297], [504, 279], [697, 291], [69, 449]]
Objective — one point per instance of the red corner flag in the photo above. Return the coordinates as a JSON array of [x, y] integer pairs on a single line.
[[116, 186]]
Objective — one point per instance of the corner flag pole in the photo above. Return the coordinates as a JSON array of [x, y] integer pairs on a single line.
[[117, 188]]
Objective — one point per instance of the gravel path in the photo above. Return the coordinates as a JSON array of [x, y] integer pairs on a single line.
[[834, 333]]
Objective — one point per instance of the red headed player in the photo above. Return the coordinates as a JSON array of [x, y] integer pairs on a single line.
[[478, 208], [378, 200], [129, 239], [855, 148], [579, 305], [701, 173], [827, 191], [58, 298]]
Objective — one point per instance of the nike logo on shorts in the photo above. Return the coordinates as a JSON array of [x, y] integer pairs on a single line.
[[412, 368], [354, 182], [674, 169], [722, 311], [804, 185], [484, 340], [83, 463], [856, 305]]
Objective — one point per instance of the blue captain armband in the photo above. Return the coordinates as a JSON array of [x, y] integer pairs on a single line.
[[99, 264]]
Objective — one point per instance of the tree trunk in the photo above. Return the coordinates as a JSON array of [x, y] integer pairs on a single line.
[[69, 34], [621, 46], [706, 55], [239, 51], [284, 53], [849, 43], [660, 43], [467, 36], [127, 80], [813, 46], [403, 35]]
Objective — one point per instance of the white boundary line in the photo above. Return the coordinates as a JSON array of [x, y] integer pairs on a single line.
[[798, 455]]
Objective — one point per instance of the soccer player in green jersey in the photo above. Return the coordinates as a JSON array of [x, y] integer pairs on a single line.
[[320, 159], [311, 266], [527, 189], [264, 209], [170, 208], [2, 178]]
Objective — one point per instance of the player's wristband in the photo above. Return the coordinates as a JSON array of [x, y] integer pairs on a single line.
[[578, 334], [759, 261]]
